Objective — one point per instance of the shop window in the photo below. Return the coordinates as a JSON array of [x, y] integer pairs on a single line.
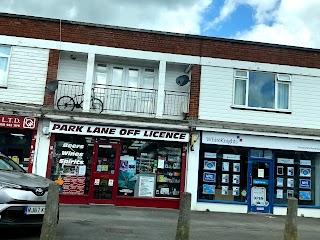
[[150, 169], [223, 174], [297, 174], [71, 163], [261, 89]]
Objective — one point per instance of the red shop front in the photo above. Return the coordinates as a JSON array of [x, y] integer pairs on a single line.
[[117, 165], [18, 138]]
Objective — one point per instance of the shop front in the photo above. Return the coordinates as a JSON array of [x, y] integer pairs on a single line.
[[117, 165], [250, 173], [18, 138]]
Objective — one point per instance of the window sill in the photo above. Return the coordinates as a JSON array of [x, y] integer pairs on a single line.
[[222, 202], [261, 109]]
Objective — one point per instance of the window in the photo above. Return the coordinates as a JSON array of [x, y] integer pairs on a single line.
[[4, 64], [261, 89]]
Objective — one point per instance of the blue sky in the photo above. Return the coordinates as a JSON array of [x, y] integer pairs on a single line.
[[240, 20], [285, 22]]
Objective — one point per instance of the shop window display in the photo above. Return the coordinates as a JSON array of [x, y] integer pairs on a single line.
[[150, 169], [223, 174], [297, 175], [71, 163]]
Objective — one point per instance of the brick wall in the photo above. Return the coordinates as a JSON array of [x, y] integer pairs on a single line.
[[195, 92], [51, 75]]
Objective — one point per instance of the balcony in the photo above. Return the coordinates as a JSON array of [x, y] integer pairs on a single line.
[[109, 99]]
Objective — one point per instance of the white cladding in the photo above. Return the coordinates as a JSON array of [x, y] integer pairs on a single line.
[[72, 70], [216, 98], [27, 76]]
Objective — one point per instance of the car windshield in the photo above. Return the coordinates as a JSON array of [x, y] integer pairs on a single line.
[[8, 164]]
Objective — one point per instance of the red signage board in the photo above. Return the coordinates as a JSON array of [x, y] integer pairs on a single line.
[[18, 122]]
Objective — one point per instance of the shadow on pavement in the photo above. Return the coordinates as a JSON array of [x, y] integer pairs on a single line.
[[20, 233]]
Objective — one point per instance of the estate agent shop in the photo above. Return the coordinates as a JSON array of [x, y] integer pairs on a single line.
[[248, 173], [117, 165]]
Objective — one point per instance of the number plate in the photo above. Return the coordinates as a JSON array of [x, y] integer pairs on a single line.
[[34, 210]]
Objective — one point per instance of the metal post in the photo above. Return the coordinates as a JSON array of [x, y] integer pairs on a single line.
[[49, 226], [183, 227], [290, 230]]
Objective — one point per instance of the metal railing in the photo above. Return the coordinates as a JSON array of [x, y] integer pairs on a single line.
[[176, 103], [126, 99], [69, 95]]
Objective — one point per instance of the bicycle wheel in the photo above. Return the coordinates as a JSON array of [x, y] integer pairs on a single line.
[[66, 103], [96, 105]]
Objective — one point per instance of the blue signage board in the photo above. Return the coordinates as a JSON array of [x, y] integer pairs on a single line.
[[261, 181], [209, 177], [305, 183]]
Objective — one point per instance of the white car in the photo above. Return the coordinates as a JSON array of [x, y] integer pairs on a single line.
[[22, 195]]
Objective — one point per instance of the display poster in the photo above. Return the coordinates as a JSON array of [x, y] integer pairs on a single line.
[[260, 173], [235, 191], [225, 166], [290, 182], [210, 155], [258, 196], [161, 163], [285, 161], [280, 170], [236, 167], [290, 171], [279, 193], [279, 182], [290, 193], [236, 179], [305, 172], [305, 195], [146, 186], [225, 178], [305, 162], [209, 189], [305, 183], [224, 190], [209, 177], [210, 165]]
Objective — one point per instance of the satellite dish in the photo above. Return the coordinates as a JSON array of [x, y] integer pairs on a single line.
[[182, 80], [52, 86]]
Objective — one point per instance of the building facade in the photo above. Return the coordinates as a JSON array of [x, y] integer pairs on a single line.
[[134, 118]]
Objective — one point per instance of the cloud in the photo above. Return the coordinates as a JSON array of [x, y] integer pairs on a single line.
[[183, 16], [287, 22], [263, 10]]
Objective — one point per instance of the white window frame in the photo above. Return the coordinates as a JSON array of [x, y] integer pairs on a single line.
[[142, 72], [5, 81], [279, 78]]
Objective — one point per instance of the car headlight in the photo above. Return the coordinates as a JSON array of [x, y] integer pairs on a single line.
[[9, 185]]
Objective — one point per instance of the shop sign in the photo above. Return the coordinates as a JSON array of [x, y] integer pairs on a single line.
[[18, 122], [107, 131], [245, 140], [261, 181]]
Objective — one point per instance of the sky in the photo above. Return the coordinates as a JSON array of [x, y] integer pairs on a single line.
[[287, 22]]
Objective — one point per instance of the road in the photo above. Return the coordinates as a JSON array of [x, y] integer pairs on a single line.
[[120, 223]]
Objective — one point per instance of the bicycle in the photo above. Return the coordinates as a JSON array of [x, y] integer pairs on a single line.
[[70, 103]]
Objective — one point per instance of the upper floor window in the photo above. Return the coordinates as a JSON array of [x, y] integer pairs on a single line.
[[4, 64], [261, 89], [124, 76]]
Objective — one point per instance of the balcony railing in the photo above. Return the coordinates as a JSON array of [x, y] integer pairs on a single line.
[[176, 103], [126, 99], [116, 99], [69, 95]]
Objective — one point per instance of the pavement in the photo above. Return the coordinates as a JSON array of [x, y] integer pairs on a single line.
[[97, 222]]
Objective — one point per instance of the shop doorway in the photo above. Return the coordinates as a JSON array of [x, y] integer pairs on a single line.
[[260, 181], [103, 184]]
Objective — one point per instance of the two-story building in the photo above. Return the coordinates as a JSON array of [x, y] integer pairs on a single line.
[[134, 117]]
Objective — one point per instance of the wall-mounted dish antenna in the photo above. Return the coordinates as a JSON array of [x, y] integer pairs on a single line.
[[52, 86], [182, 80]]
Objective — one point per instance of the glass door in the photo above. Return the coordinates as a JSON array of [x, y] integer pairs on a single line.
[[260, 179], [103, 186]]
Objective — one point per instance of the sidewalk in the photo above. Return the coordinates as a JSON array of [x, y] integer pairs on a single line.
[[121, 223]]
